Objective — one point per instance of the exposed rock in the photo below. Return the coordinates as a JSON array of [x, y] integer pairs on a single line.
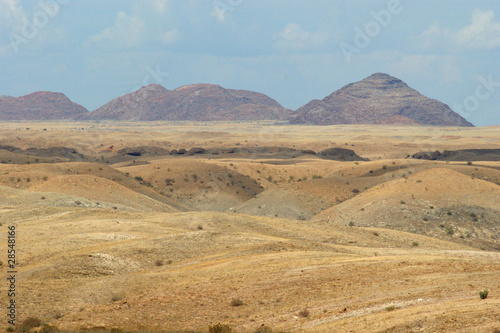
[[42, 105], [378, 99], [143, 151], [198, 102], [196, 150], [340, 154], [461, 155]]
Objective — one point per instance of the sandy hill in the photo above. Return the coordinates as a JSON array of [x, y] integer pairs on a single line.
[[196, 184], [113, 269], [198, 102], [377, 99], [438, 202], [41, 105], [98, 190], [93, 181]]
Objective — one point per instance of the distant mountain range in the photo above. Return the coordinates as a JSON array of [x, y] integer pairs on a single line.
[[378, 99], [198, 102]]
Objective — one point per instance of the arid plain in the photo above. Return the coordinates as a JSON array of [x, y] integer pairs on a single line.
[[252, 229]]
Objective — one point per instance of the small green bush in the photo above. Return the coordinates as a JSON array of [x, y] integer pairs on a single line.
[[29, 324], [236, 302], [414, 244], [390, 308], [483, 294], [304, 313]]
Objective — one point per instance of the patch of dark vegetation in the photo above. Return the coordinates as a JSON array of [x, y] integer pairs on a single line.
[[463, 155]]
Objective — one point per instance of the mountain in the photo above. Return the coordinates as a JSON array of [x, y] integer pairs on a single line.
[[199, 102], [41, 105], [378, 99]]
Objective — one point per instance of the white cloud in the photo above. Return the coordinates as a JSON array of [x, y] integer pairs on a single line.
[[127, 32], [294, 38], [482, 33], [159, 5], [170, 36]]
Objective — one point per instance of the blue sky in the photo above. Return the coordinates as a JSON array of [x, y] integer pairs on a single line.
[[293, 51]]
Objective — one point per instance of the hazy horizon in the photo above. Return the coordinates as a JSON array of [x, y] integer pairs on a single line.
[[292, 51]]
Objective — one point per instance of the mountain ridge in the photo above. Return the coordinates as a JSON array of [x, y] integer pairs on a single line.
[[198, 102], [378, 99], [40, 105]]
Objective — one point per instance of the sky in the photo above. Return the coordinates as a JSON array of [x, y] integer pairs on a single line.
[[291, 50]]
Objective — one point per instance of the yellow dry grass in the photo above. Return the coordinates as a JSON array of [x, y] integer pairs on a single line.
[[141, 260]]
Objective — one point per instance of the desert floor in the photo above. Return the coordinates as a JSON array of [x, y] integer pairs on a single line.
[[260, 240]]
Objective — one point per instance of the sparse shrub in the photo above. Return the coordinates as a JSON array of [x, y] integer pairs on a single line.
[[473, 215], [402, 202], [483, 294], [449, 213], [43, 198], [355, 190], [236, 302], [384, 167], [29, 323], [200, 227], [449, 230], [45, 178], [139, 178], [10, 328], [219, 328], [317, 177], [469, 162], [351, 224], [375, 233], [426, 218], [414, 244], [78, 202], [304, 313], [159, 262], [390, 308], [116, 298], [419, 181]]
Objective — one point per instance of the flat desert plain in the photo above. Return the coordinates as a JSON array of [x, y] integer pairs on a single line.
[[251, 231]]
